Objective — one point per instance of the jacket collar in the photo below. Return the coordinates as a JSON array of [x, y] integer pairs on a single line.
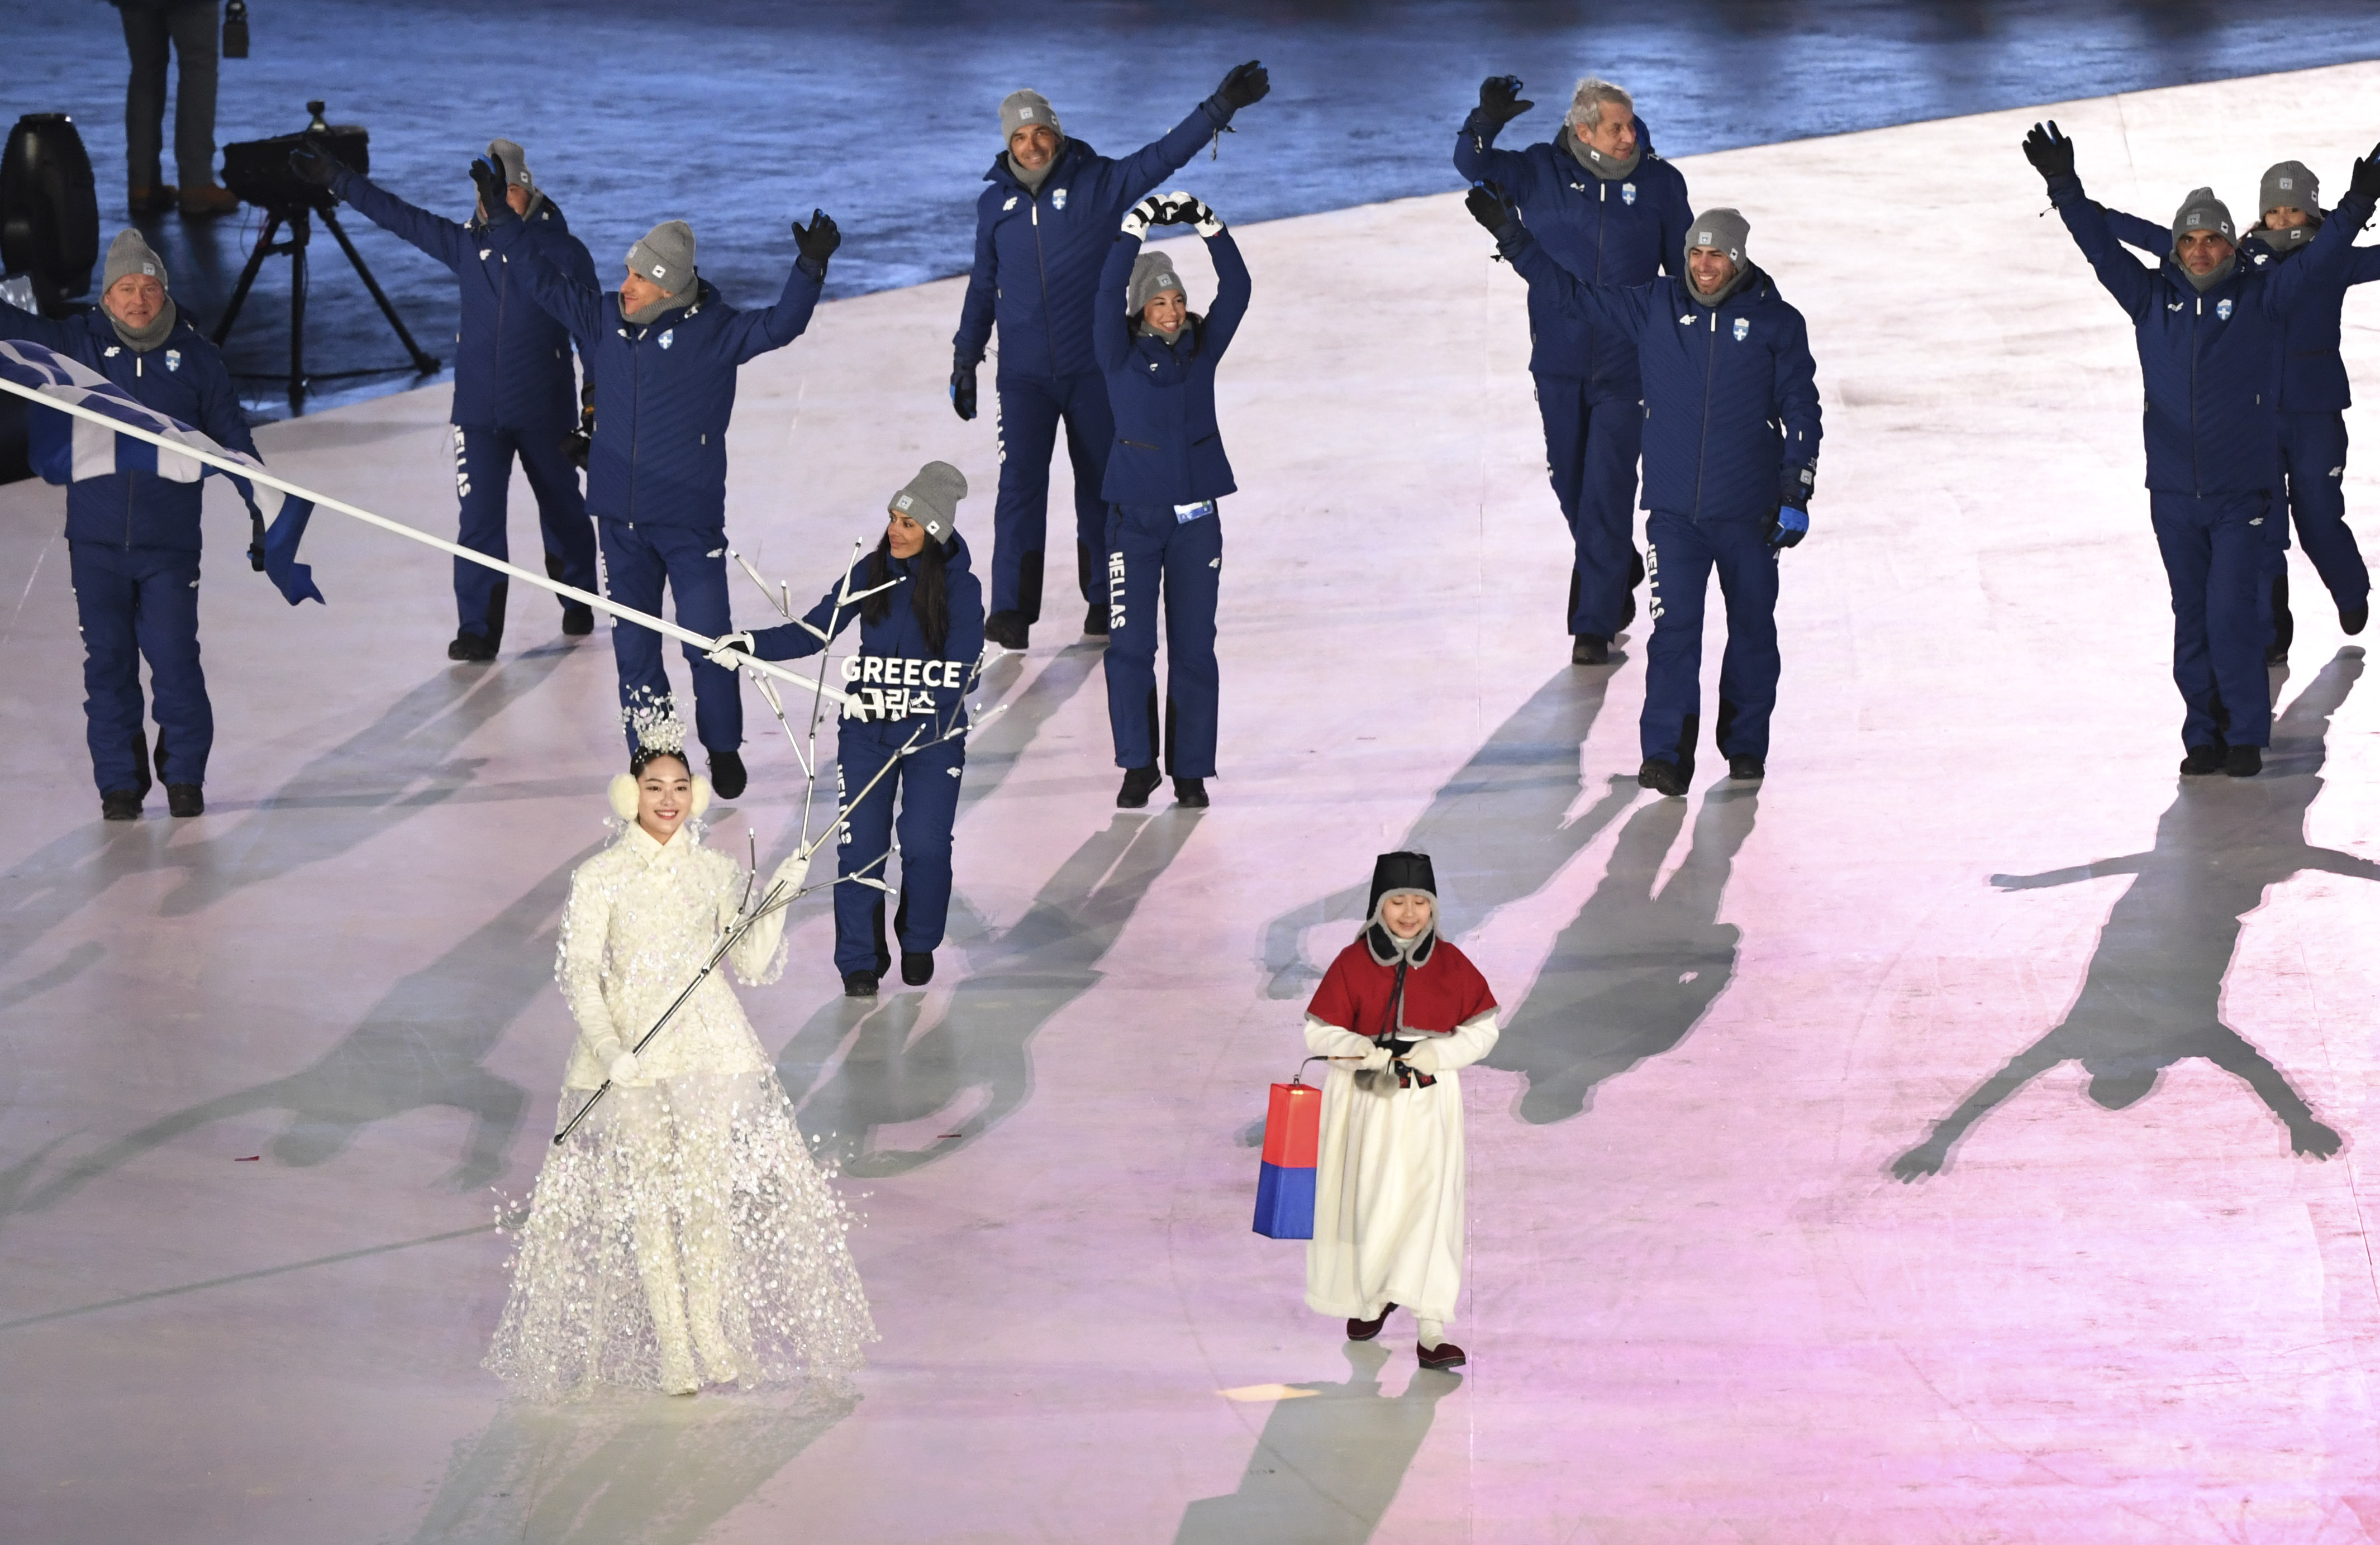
[[641, 843], [1069, 154]]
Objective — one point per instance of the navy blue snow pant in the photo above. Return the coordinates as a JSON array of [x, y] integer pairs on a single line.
[[483, 475], [638, 560], [1679, 557], [1030, 407], [1591, 444], [928, 782], [2313, 458], [1147, 545], [136, 603], [2216, 551]]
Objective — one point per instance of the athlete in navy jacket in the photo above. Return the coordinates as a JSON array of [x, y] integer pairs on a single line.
[[1608, 208], [1041, 230], [1163, 478], [919, 645], [2208, 329], [1732, 429], [2314, 396], [515, 392], [662, 350], [133, 537]]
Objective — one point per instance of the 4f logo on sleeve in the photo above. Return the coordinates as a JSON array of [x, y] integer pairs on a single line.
[[1743, 329], [2223, 310], [1627, 193]]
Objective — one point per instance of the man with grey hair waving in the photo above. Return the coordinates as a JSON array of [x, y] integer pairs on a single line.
[[1606, 209]]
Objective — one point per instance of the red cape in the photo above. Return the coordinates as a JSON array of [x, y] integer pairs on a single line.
[[1439, 995]]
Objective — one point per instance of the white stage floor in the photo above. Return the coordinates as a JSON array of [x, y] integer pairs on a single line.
[[259, 1070]]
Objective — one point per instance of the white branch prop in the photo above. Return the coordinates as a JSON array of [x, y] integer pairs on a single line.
[[324, 501]]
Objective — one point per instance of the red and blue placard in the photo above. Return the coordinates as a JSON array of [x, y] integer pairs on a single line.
[[1286, 1182]]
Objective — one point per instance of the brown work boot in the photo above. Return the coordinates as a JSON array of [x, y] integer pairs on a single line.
[[204, 203], [152, 200]]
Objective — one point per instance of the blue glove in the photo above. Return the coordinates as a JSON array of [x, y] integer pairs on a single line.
[[1788, 526]]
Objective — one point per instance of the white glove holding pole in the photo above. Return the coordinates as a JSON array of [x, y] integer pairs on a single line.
[[622, 1069], [1374, 1060], [791, 874], [734, 649], [1148, 212], [1423, 1058]]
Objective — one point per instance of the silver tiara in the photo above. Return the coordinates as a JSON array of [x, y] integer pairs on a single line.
[[653, 720]]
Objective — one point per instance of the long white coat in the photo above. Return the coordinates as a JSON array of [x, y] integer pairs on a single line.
[[1388, 1189]]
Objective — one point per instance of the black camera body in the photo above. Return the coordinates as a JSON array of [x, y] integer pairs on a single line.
[[258, 170]]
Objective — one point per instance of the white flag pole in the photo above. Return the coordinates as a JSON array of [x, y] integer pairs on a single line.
[[255, 475]]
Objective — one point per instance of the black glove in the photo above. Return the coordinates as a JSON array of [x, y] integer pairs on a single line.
[[1795, 486], [314, 165], [963, 391], [1490, 208], [1500, 100], [582, 438], [1245, 85], [2365, 182], [489, 176], [2051, 153], [817, 241]]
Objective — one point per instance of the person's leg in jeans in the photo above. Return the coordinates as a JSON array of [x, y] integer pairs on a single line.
[[145, 38], [192, 24]]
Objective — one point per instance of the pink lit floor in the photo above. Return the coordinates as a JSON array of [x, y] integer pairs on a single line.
[[1699, 1307]]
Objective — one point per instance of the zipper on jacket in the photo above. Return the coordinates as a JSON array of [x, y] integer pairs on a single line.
[[2195, 487], [1041, 264], [1710, 373]]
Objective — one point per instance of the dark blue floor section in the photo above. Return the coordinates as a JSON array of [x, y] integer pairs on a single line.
[[740, 113]]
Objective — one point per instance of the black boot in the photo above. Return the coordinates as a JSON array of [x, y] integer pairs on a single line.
[[184, 799], [472, 648], [1590, 650], [119, 804], [577, 617], [859, 984], [2352, 618], [2202, 761], [916, 967], [1007, 629], [1747, 770], [1190, 792], [1138, 784], [727, 777], [2245, 761], [1662, 778]]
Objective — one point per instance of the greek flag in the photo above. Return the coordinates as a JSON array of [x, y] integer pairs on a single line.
[[66, 449]]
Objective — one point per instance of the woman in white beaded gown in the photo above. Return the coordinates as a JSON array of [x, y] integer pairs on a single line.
[[682, 1233]]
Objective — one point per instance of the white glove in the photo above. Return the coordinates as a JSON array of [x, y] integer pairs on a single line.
[[1374, 1060], [1423, 1058], [622, 1069], [734, 649], [792, 873], [1191, 212], [1148, 212]]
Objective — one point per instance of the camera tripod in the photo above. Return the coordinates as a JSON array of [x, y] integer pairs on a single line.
[[298, 217]]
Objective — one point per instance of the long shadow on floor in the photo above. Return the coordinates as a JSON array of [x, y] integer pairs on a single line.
[[2154, 993], [423, 1045], [624, 1470], [1328, 1464], [890, 1073], [1495, 828], [403, 761], [1633, 975], [994, 748]]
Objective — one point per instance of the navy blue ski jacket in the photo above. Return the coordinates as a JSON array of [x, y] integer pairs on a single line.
[[1037, 255], [2211, 362], [897, 683], [512, 361], [1629, 232], [1730, 391], [184, 378], [664, 392], [2314, 378], [1168, 449]]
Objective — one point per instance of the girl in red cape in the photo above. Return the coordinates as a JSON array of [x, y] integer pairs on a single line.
[[1398, 1012]]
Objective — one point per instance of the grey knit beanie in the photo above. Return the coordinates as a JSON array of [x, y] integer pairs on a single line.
[[515, 161], [1152, 275], [666, 257], [2290, 186], [1021, 108], [128, 254], [931, 499], [2203, 211], [1720, 230]]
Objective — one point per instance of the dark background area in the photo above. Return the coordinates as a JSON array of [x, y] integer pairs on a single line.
[[738, 113]]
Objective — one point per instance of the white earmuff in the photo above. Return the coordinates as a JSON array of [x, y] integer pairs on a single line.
[[623, 795], [701, 795]]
